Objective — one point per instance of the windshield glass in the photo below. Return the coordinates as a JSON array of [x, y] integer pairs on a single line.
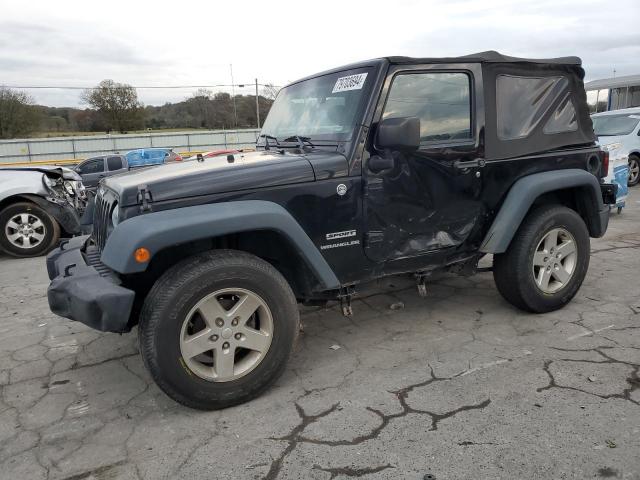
[[321, 108], [608, 125]]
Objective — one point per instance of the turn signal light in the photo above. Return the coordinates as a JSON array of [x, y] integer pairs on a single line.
[[142, 255]]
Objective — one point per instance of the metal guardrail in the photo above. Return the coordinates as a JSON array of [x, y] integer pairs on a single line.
[[75, 161], [68, 150]]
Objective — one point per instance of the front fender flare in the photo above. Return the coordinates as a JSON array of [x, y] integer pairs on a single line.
[[527, 189], [159, 230]]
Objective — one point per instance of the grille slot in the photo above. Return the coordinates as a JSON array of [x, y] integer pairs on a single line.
[[102, 220]]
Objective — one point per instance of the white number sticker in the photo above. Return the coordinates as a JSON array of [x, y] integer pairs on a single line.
[[352, 82]]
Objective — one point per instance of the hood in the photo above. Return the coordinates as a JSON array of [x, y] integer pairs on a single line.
[[605, 140], [249, 170]]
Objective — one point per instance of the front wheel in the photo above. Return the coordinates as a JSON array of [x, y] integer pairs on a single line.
[[26, 230], [217, 329], [546, 262]]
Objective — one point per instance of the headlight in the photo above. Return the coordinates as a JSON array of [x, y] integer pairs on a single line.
[[48, 182], [115, 215], [612, 146], [68, 186]]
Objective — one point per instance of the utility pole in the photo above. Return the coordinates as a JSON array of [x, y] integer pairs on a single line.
[[233, 93], [257, 105]]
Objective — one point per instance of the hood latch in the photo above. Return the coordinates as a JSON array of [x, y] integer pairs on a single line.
[[144, 198]]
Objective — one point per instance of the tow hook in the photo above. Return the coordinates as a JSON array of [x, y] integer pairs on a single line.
[[345, 295]]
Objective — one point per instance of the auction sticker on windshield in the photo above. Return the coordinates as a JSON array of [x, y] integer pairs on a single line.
[[352, 82]]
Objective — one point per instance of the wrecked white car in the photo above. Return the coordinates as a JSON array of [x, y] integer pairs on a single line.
[[38, 205]]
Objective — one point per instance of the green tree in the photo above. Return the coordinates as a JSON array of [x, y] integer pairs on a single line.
[[18, 116], [117, 103]]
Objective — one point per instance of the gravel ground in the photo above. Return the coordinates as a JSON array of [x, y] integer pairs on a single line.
[[458, 385]]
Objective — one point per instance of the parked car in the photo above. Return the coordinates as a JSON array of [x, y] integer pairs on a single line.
[[619, 132], [95, 169], [213, 153], [359, 174], [37, 207]]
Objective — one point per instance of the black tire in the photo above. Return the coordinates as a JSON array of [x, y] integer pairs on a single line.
[[51, 230], [513, 270], [634, 161], [173, 296]]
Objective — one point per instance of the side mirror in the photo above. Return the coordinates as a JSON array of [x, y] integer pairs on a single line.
[[402, 134]]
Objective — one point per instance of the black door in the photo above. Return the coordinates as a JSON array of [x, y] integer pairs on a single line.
[[428, 201]]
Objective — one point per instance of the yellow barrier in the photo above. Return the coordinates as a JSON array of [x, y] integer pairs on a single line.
[[42, 162]]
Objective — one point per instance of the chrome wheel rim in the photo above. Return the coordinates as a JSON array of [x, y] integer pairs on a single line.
[[25, 230], [634, 171], [226, 335], [555, 260]]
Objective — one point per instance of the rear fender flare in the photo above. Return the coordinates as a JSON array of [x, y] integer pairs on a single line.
[[527, 189], [159, 230]]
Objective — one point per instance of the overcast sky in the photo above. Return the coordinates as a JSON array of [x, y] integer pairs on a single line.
[[80, 43]]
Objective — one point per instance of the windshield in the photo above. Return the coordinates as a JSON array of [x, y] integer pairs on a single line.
[[321, 108], [609, 125]]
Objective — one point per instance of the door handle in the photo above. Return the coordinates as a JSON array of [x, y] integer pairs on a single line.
[[478, 162]]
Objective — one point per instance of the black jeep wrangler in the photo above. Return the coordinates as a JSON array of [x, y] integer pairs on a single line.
[[392, 166]]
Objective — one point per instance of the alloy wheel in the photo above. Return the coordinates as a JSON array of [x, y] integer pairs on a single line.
[[554, 260], [226, 334], [25, 230], [634, 171]]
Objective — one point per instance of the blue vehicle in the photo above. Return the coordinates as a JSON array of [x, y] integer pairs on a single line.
[[151, 156]]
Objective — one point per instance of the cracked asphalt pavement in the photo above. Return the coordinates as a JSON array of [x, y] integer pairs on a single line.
[[458, 385]]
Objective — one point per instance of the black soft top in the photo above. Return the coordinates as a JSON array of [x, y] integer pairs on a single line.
[[490, 56], [531, 105]]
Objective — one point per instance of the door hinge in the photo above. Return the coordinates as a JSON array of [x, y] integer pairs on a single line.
[[144, 198]]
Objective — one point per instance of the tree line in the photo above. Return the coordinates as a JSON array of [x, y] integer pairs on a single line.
[[114, 107]]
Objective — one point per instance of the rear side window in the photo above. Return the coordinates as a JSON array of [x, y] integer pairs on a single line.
[[523, 102], [95, 165], [563, 118], [114, 163], [442, 102]]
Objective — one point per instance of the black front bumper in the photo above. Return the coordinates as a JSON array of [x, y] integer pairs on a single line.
[[87, 293]]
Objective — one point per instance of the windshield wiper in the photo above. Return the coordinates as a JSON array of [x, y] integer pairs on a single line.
[[301, 141], [266, 141]]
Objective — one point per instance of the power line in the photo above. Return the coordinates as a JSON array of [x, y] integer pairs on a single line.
[[68, 87]]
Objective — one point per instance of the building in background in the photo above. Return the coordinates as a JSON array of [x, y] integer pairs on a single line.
[[613, 93]]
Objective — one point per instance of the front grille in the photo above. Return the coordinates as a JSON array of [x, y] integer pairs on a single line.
[[102, 218]]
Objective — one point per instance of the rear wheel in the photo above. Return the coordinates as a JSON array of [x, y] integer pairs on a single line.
[[634, 170], [217, 329], [26, 230], [546, 262]]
